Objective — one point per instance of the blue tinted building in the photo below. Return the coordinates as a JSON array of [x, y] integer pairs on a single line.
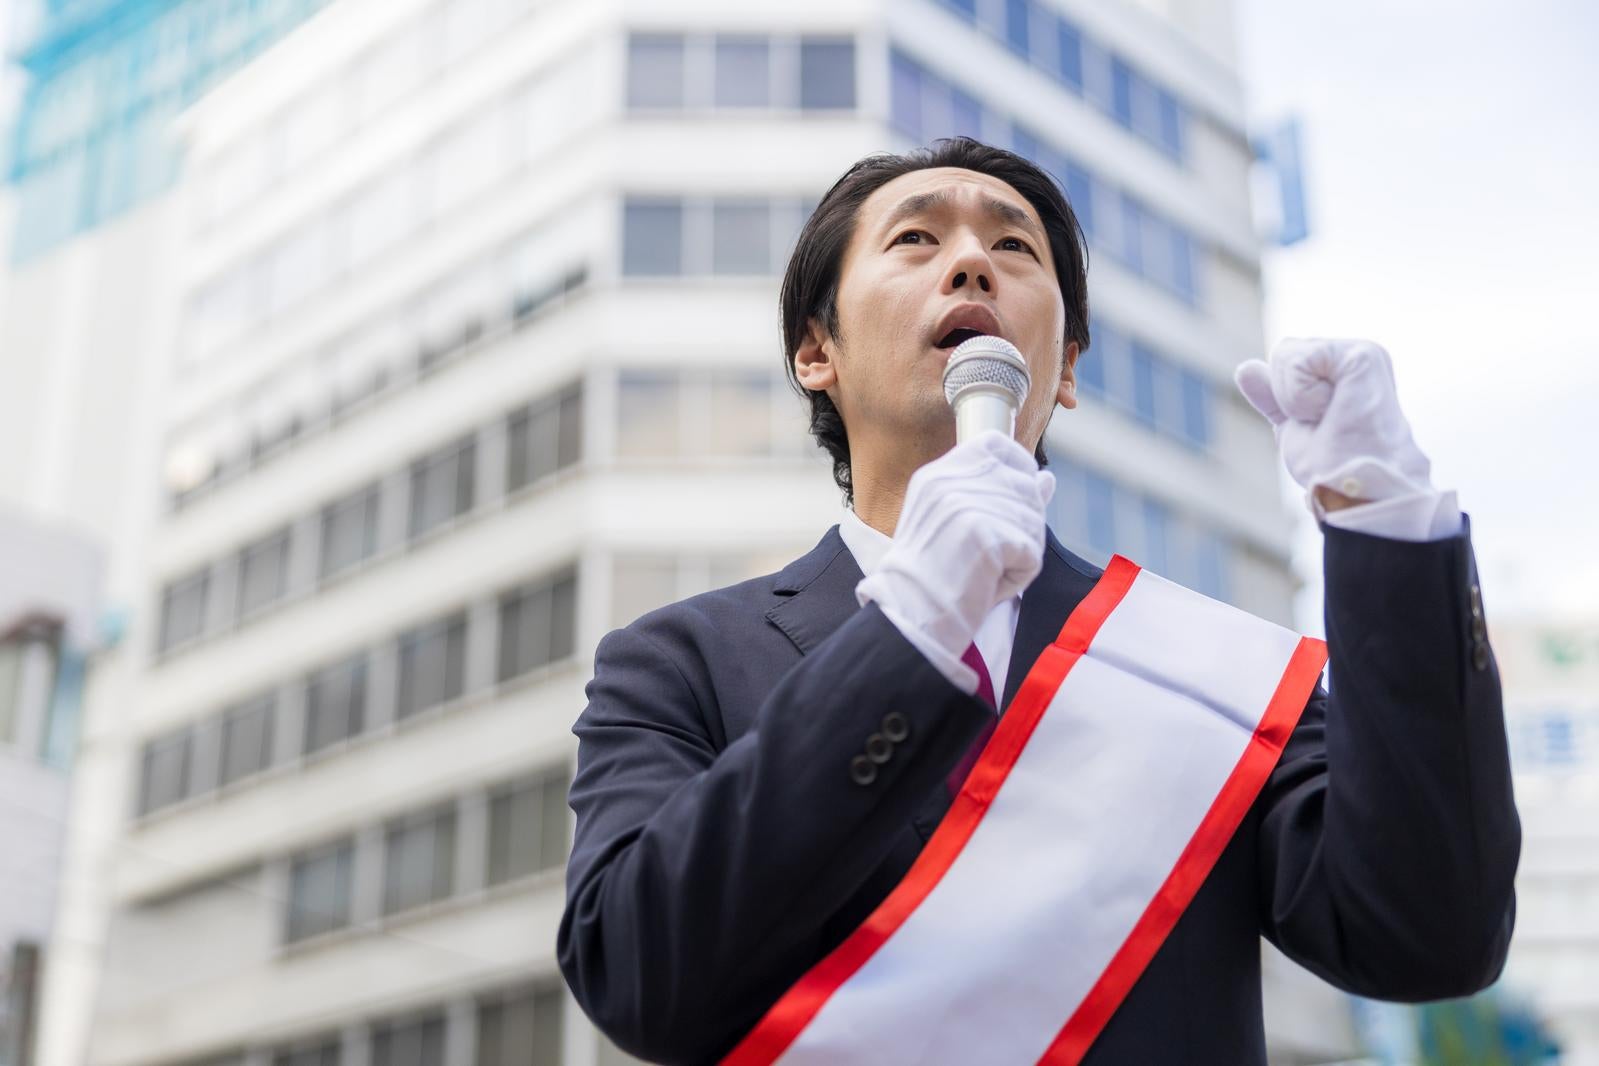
[[105, 78]]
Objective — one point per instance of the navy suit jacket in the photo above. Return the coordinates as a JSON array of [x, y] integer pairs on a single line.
[[723, 848]]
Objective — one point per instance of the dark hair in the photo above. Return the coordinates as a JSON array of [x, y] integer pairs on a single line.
[[810, 284]]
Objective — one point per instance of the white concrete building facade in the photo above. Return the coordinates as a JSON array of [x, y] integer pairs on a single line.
[[476, 358]]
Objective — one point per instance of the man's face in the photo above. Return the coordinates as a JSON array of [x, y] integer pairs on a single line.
[[937, 255]]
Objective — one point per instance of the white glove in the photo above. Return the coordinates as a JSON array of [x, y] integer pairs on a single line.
[[1334, 407], [970, 536]]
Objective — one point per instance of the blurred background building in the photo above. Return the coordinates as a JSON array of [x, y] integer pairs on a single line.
[[452, 345]]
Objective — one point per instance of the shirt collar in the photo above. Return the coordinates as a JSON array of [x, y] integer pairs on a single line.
[[868, 545]]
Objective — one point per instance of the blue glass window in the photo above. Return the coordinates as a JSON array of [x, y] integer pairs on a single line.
[[1080, 194], [743, 72], [1157, 526], [1171, 122], [1091, 367], [652, 238], [741, 237], [966, 115], [1016, 34], [1144, 370], [906, 93], [1100, 505], [1025, 145], [655, 70], [1182, 264], [1196, 408], [1130, 248], [1210, 572], [1069, 55], [967, 9], [827, 73], [1121, 91]]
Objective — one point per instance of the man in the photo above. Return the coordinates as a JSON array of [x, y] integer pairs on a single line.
[[738, 812]]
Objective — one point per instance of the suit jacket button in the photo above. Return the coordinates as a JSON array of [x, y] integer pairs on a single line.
[[896, 727], [879, 748], [1479, 655], [862, 770]]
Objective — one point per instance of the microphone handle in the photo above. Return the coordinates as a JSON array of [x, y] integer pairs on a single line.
[[978, 409]]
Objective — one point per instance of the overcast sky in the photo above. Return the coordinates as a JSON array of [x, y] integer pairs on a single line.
[[1453, 174]]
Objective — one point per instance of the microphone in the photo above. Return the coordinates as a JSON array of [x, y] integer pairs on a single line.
[[985, 381]]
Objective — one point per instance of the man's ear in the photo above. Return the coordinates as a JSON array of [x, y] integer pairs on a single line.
[[1066, 391], [814, 363]]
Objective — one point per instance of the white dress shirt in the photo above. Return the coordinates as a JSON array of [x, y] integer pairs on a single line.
[[1416, 517]]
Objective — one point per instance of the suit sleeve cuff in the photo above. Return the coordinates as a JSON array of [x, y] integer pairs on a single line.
[[959, 674]]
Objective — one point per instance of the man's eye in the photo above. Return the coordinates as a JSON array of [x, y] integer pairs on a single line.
[[1016, 244], [910, 236]]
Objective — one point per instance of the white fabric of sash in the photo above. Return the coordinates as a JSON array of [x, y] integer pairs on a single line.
[[1136, 744]]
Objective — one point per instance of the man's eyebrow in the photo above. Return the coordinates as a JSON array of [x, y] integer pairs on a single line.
[[926, 201]]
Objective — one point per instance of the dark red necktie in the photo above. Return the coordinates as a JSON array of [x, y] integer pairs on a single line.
[[985, 692]]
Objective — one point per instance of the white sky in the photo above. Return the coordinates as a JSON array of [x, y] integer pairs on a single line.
[[1452, 162]]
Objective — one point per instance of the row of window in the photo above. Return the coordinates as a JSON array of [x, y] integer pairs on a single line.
[[516, 1026], [675, 71], [488, 146], [1096, 516], [926, 106], [1148, 385], [538, 438], [708, 412], [678, 236], [1055, 45], [524, 833], [526, 627], [381, 356]]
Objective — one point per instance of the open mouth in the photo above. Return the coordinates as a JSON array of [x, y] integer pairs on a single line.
[[956, 336]]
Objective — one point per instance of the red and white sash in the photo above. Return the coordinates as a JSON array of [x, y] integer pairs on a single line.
[[1126, 760]]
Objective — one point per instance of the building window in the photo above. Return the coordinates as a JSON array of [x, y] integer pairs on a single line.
[[432, 665], [1016, 28], [441, 486], [319, 891], [652, 238], [335, 703], [166, 770], [263, 572], [183, 609], [520, 1027], [741, 237], [741, 414], [743, 72], [544, 437], [827, 74], [419, 860], [649, 414], [323, 1051], [537, 625], [349, 531], [655, 70], [247, 738], [527, 827]]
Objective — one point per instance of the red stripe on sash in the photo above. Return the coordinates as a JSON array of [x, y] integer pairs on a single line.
[[790, 1015], [1194, 864]]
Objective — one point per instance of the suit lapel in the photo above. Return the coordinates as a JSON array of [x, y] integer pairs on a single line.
[[1061, 584], [818, 593]]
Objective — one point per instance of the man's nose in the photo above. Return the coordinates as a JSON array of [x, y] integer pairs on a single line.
[[969, 265]]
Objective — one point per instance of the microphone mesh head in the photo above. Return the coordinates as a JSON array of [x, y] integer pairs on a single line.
[[986, 360]]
